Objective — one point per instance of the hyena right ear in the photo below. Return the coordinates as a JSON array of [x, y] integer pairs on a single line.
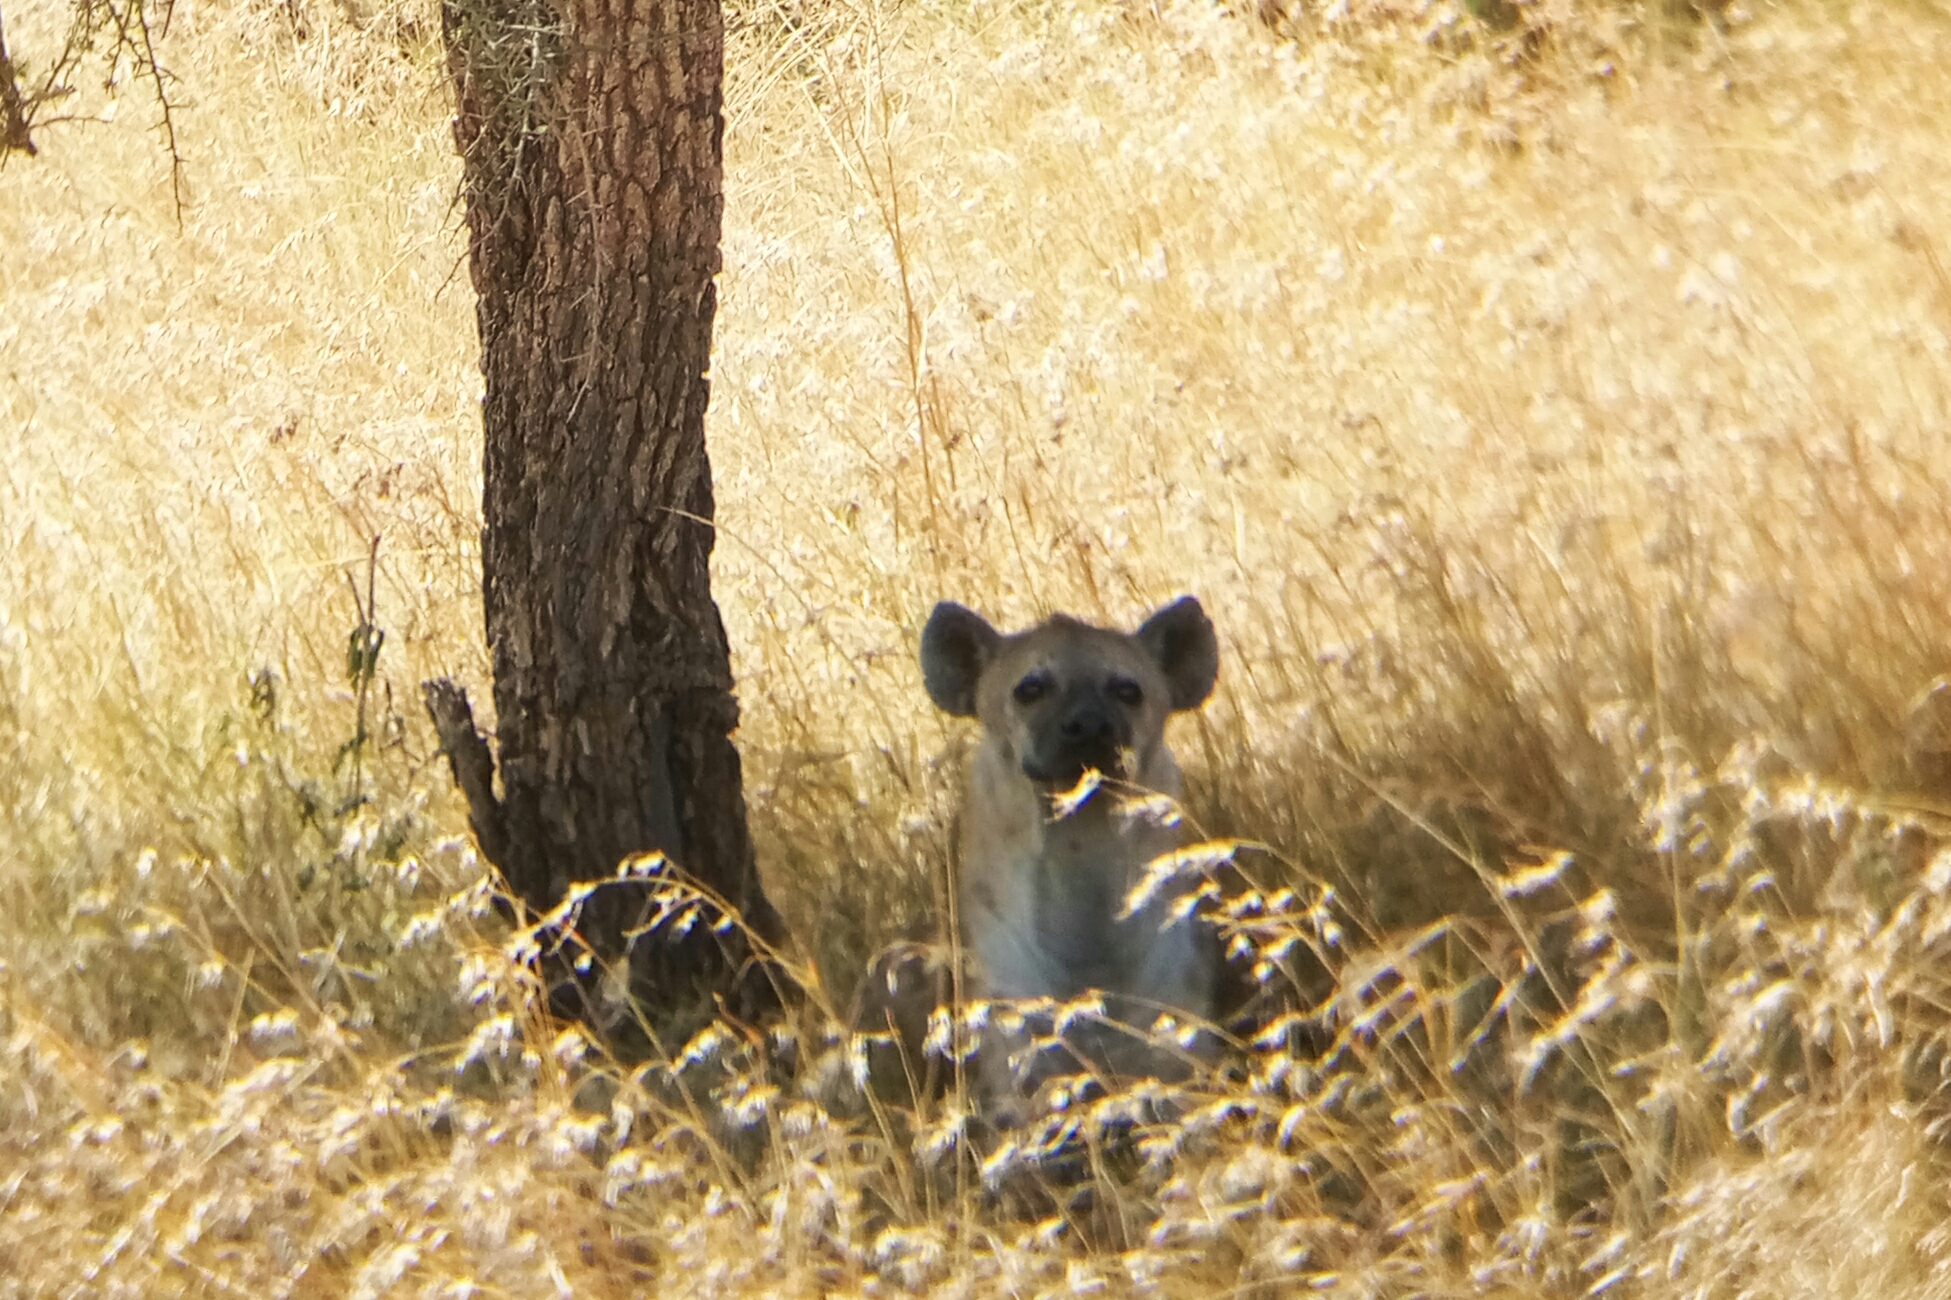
[[955, 648]]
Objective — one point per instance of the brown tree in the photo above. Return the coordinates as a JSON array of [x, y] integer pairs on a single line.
[[591, 138]]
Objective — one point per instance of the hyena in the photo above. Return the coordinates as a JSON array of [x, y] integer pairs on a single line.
[[1044, 889]]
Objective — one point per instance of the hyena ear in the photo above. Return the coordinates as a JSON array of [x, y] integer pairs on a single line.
[[1180, 637], [955, 648]]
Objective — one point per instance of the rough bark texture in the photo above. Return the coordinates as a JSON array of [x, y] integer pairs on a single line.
[[591, 137]]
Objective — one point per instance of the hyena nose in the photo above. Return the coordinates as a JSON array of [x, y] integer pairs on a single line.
[[1088, 727]]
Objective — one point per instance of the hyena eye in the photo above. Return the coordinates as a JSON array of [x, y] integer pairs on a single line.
[[1032, 688], [1126, 691]]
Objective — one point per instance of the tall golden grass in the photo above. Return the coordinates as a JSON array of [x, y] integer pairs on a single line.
[[1552, 421]]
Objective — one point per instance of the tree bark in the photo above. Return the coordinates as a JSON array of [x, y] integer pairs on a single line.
[[591, 138]]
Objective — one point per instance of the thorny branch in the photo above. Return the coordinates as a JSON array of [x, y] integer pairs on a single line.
[[119, 34], [14, 115]]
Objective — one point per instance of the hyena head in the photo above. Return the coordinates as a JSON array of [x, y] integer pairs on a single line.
[[1064, 695]]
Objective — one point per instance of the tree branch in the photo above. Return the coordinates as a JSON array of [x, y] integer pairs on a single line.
[[14, 126], [473, 765]]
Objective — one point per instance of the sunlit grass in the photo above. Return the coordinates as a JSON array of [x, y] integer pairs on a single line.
[[1552, 424]]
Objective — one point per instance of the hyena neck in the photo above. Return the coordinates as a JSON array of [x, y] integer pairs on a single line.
[[1099, 851], [1105, 835]]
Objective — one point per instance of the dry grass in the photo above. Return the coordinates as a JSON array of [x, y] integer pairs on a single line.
[[1552, 424]]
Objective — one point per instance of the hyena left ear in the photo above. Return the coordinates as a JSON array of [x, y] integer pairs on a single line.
[[955, 648], [1180, 637]]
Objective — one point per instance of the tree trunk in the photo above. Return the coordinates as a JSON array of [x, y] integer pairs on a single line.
[[591, 136]]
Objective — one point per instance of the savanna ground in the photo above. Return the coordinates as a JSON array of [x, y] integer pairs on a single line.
[[1552, 420]]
